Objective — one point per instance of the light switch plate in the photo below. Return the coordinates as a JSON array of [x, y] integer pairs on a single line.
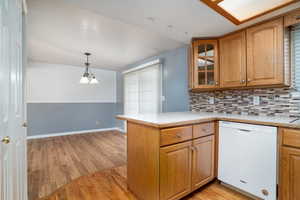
[[256, 100]]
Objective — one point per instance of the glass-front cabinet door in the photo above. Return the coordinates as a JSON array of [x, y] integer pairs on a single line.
[[205, 64]]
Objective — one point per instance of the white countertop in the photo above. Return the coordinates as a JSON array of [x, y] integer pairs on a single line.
[[171, 118]]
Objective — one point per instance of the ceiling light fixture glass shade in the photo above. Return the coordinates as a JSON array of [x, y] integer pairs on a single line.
[[87, 77], [84, 80], [94, 80]]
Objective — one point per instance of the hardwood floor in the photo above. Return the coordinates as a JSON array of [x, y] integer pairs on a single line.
[[111, 185], [91, 167], [54, 162]]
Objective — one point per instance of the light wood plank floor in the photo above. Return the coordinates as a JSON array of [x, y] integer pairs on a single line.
[[111, 185], [85, 167], [54, 162]]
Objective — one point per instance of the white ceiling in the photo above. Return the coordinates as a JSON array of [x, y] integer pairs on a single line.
[[118, 32]]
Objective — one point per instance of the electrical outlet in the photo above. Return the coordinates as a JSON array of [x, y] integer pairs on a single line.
[[256, 100], [211, 100]]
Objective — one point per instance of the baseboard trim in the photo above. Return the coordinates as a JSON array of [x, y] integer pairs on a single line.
[[120, 130], [74, 133]]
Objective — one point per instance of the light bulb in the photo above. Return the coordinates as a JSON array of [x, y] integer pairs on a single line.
[[84, 80]]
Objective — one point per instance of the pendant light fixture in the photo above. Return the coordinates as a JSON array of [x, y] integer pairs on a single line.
[[87, 77]]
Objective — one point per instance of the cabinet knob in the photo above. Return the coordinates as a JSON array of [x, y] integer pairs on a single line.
[[216, 83], [249, 80], [243, 81]]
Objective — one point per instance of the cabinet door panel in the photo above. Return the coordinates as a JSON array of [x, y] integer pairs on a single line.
[[205, 64], [233, 60], [175, 171], [290, 174], [265, 54], [203, 161]]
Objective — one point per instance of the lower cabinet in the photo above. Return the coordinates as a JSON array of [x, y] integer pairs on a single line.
[[203, 161], [169, 163], [290, 173], [185, 167], [175, 170], [289, 186]]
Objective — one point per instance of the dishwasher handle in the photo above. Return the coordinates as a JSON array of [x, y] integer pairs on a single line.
[[244, 130]]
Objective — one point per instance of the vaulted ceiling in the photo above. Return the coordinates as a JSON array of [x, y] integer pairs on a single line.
[[118, 32]]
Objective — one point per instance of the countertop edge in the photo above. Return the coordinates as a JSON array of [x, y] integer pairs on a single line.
[[208, 119]]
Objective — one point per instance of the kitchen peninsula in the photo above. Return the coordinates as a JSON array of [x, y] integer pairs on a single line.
[[172, 154]]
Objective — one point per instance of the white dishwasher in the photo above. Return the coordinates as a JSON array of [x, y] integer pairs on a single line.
[[248, 158]]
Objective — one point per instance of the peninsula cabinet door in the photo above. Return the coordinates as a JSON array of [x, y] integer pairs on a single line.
[[233, 60], [290, 174], [203, 161], [265, 54], [175, 171]]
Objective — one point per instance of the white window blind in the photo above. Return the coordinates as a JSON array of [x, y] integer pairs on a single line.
[[295, 41], [142, 90]]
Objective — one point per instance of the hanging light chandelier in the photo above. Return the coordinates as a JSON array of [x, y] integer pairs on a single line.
[[88, 77]]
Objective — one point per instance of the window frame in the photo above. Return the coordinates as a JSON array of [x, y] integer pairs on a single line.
[[294, 69], [160, 83]]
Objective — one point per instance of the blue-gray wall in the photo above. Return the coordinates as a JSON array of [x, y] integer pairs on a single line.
[[175, 79], [47, 118]]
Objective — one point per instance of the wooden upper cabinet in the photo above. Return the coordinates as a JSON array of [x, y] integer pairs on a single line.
[[205, 67], [175, 171], [203, 161], [233, 60], [265, 54], [252, 57]]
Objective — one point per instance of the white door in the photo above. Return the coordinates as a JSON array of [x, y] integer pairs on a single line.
[[13, 168]]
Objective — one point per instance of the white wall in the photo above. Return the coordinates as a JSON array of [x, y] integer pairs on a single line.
[[56, 83]]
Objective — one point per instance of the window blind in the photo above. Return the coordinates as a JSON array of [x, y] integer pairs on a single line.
[[142, 91], [295, 39]]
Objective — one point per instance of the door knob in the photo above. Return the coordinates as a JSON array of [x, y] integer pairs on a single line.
[[24, 125], [5, 140]]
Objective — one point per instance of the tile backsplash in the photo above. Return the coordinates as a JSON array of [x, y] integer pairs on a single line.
[[273, 102]]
